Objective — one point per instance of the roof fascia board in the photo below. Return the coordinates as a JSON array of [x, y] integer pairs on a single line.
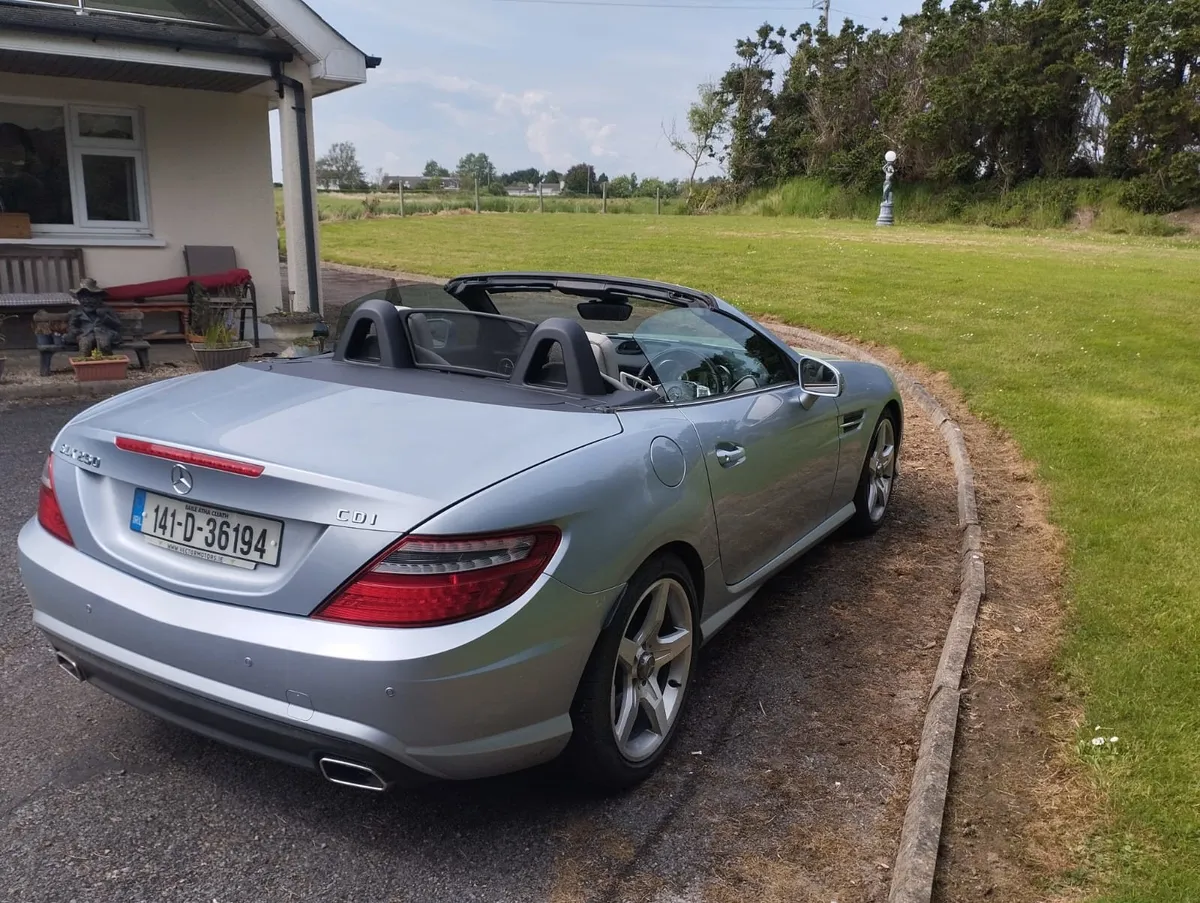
[[331, 56], [131, 53]]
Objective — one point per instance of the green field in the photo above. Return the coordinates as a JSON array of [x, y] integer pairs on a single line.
[[1085, 347]]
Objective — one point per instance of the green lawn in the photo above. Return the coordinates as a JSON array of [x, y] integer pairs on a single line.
[[1085, 347]]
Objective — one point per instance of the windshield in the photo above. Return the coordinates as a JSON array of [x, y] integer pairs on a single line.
[[620, 318]]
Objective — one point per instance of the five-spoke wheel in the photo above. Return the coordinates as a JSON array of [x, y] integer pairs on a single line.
[[878, 478], [635, 687], [651, 672]]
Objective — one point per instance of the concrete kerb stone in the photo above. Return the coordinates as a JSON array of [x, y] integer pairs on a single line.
[[66, 391], [920, 837]]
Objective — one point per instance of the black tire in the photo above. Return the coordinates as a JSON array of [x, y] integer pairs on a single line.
[[868, 518], [594, 755]]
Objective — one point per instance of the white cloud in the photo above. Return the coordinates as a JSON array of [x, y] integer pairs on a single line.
[[598, 135], [556, 137], [464, 119], [450, 84]]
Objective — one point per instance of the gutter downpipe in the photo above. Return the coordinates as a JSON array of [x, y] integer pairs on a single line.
[[306, 192]]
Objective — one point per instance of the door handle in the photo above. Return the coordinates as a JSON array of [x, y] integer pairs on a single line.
[[730, 455]]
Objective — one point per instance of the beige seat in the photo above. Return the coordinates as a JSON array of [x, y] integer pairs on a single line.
[[606, 354]]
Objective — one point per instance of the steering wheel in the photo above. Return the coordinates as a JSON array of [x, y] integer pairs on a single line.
[[677, 389]]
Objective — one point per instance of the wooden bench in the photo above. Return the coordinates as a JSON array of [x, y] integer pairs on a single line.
[[133, 338], [33, 278]]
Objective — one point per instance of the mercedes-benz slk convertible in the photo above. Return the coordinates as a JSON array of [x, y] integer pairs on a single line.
[[481, 534]]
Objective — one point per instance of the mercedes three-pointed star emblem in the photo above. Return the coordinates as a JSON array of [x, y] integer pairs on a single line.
[[181, 479]]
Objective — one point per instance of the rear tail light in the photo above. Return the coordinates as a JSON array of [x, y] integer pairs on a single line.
[[50, 515], [423, 580]]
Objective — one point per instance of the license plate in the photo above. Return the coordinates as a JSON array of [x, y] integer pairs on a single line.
[[202, 531]]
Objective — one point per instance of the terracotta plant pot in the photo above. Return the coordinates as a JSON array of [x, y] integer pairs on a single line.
[[88, 371], [214, 357]]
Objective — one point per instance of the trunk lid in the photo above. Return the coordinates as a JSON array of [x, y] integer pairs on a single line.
[[346, 471]]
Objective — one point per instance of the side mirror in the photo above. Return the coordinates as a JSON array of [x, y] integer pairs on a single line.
[[818, 380]]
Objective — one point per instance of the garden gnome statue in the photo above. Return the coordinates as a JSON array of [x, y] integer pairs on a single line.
[[92, 324], [889, 172]]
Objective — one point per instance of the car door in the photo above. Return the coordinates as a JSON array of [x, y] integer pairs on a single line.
[[771, 467], [771, 459]]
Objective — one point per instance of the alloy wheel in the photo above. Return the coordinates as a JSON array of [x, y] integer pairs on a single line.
[[651, 673], [882, 469]]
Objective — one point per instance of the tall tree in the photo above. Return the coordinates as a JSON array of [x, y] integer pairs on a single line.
[[522, 177], [580, 178], [708, 120], [340, 166], [476, 166], [434, 170]]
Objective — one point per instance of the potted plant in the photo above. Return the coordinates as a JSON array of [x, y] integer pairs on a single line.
[[218, 345], [3, 317], [289, 325], [99, 367], [220, 348]]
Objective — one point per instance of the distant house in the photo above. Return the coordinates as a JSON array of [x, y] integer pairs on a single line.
[[414, 183], [530, 189]]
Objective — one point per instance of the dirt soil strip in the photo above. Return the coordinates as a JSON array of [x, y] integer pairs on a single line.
[[916, 861], [1020, 806]]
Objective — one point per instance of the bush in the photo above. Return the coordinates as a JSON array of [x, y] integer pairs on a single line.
[[1146, 194]]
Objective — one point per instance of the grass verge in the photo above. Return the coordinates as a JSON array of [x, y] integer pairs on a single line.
[[1082, 346]]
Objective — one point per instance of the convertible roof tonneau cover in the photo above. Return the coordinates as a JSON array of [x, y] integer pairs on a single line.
[[584, 285]]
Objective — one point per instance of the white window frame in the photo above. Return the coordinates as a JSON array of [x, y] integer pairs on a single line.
[[77, 148]]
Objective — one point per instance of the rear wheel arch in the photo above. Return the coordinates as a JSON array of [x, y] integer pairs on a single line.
[[893, 408], [686, 553]]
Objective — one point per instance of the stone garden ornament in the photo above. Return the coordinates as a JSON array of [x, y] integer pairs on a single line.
[[93, 325], [889, 173]]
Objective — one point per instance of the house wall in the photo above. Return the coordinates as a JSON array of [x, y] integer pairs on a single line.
[[208, 163]]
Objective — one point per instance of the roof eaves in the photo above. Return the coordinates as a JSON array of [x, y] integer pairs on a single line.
[[139, 31]]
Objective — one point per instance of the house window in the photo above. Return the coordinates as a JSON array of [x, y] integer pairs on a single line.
[[73, 169]]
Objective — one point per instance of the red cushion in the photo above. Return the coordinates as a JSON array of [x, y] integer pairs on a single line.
[[177, 286]]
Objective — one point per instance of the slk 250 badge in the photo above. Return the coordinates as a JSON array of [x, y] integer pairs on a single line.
[[79, 455]]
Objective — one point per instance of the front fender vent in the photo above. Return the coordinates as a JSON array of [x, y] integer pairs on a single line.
[[851, 422]]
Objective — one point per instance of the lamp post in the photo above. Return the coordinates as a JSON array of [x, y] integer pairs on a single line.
[[889, 172]]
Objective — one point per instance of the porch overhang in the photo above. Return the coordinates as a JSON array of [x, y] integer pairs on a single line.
[[57, 41]]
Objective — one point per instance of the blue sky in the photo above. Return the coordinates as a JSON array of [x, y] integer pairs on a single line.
[[543, 84]]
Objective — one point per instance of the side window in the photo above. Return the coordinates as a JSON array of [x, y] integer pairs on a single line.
[[703, 348]]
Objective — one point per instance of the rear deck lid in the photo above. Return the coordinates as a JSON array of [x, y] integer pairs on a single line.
[[345, 470]]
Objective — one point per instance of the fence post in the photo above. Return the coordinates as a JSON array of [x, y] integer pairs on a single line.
[[604, 194], [401, 200], [657, 201], [541, 200], [477, 194]]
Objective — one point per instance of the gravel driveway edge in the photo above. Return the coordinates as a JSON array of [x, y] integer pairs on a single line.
[[916, 861]]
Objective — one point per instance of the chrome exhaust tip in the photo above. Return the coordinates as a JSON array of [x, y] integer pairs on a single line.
[[351, 774], [68, 665]]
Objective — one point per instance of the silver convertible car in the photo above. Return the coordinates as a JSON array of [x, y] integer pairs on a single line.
[[481, 534]]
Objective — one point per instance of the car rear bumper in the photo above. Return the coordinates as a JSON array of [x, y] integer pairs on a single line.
[[226, 724], [469, 700]]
